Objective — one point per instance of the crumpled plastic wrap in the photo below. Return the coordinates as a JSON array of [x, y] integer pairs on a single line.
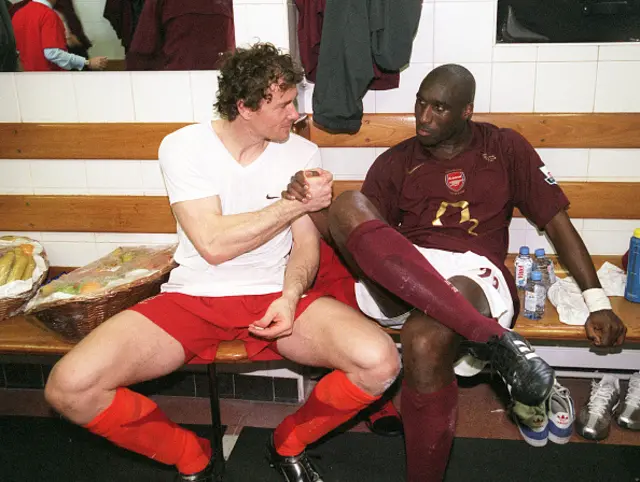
[[123, 266], [22, 264]]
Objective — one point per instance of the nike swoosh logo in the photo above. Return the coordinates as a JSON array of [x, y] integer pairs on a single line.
[[411, 171], [272, 197]]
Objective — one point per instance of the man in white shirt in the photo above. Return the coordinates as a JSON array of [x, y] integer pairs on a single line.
[[247, 260]]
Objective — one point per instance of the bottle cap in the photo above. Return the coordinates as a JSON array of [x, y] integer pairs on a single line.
[[525, 249], [636, 233], [536, 275], [539, 252]]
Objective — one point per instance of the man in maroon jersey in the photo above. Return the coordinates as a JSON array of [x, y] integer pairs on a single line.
[[429, 229]]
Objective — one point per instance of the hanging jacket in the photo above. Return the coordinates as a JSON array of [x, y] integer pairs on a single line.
[[178, 35], [310, 21], [123, 16], [8, 53], [355, 34]]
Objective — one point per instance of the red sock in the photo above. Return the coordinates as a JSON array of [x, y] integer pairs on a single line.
[[429, 421], [333, 401], [389, 259], [135, 422]]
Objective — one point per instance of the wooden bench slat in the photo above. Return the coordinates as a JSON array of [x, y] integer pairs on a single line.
[[589, 200], [124, 140], [109, 214], [620, 130], [152, 214], [140, 140]]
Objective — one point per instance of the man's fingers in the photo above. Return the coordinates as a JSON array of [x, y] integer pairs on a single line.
[[263, 322], [607, 335], [622, 336], [591, 334], [273, 331], [300, 178]]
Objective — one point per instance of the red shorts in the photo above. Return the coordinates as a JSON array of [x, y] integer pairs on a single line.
[[200, 323]]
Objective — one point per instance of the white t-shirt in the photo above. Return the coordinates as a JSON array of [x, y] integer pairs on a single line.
[[195, 165]]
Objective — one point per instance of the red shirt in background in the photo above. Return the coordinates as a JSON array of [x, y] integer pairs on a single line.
[[37, 27], [466, 203]]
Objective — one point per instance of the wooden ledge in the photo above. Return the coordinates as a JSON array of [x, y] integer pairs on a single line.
[[25, 335], [152, 214], [140, 140], [541, 130]]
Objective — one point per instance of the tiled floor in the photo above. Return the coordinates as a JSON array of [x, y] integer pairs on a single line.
[[481, 413]]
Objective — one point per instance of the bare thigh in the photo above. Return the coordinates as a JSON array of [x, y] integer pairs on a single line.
[[333, 335], [126, 349]]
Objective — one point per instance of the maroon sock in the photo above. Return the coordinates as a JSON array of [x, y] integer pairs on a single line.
[[391, 260], [429, 421]]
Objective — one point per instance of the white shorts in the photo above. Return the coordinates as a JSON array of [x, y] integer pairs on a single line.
[[473, 266]]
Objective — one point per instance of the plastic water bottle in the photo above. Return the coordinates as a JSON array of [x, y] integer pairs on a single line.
[[535, 295], [545, 266], [523, 266], [632, 290]]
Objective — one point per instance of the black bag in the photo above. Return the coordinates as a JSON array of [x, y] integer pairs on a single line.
[[8, 53], [527, 21]]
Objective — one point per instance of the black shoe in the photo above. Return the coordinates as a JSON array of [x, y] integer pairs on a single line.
[[293, 469], [528, 377], [386, 421], [205, 475]]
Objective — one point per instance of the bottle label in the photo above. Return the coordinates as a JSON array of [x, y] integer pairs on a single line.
[[552, 273], [522, 269], [530, 301]]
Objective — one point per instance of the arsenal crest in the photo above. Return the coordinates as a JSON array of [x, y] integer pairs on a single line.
[[455, 181]]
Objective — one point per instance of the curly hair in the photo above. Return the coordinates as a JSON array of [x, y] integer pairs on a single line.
[[248, 73]]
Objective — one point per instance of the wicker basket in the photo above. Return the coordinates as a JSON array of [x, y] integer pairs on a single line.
[[75, 319], [12, 306]]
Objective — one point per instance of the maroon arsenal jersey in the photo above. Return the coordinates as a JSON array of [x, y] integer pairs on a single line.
[[465, 203]]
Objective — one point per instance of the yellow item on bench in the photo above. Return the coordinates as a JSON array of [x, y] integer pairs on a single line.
[[28, 271], [6, 262], [18, 266]]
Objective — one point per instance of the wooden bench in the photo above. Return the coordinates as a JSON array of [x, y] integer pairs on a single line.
[[151, 214]]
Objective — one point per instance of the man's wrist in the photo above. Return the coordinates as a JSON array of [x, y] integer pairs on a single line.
[[296, 208], [293, 295]]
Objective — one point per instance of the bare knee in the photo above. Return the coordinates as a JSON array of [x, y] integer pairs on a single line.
[[428, 340], [377, 364], [70, 387], [430, 350]]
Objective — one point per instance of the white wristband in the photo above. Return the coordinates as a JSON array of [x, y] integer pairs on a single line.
[[596, 299]]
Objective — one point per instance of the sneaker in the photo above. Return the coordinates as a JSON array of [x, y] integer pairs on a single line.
[[528, 377], [386, 421], [629, 416], [532, 423], [297, 468], [595, 417], [561, 414], [205, 475]]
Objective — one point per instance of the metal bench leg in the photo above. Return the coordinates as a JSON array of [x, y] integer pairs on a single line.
[[216, 425]]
